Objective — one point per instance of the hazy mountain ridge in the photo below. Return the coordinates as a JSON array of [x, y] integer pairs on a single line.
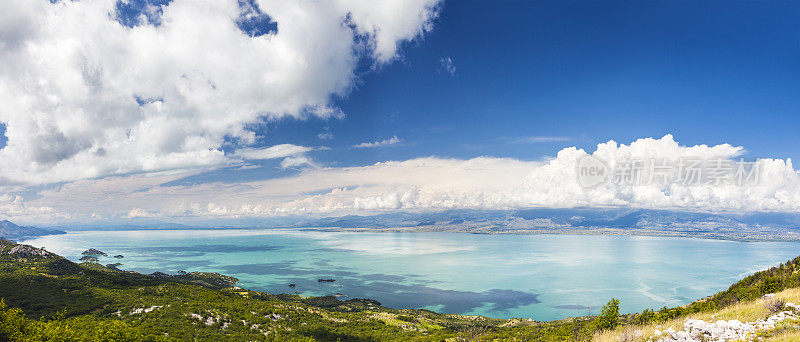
[[606, 221], [9, 230], [581, 217], [609, 221]]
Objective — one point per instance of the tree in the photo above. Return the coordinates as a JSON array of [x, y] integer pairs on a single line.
[[771, 285], [609, 315], [645, 317], [12, 322]]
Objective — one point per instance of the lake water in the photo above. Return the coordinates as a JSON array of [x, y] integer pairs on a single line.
[[543, 277]]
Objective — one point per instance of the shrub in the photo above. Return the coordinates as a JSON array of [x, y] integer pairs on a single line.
[[645, 317], [771, 285], [12, 322], [609, 315], [406, 318], [775, 305]]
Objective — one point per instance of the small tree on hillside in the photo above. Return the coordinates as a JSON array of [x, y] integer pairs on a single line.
[[609, 315]]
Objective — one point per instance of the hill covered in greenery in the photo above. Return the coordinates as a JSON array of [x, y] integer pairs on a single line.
[[46, 297]]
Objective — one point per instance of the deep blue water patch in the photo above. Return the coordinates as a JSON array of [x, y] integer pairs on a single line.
[[132, 13], [396, 291], [172, 266], [411, 296], [253, 22]]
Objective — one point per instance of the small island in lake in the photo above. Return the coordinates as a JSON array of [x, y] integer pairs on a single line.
[[94, 252]]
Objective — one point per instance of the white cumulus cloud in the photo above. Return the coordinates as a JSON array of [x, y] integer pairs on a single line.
[[83, 96], [385, 142], [273, 152], [296, 161], [139, 213], [14, 208]]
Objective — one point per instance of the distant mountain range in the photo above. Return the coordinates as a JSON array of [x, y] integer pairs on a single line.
[[129, 224], [611, 221], [11, 231], [573, 217]]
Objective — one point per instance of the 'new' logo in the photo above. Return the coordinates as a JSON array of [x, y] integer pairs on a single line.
[[592, 172]]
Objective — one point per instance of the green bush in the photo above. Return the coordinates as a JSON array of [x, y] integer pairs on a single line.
[[771, 285], [645, 317], [609, 315], [12, 323]]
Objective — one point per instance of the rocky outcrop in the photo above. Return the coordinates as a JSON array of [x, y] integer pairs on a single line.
[[695, 330], [94, 252], [89, 258], [25, 251]]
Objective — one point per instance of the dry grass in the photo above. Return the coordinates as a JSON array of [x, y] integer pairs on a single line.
[[745, 312], [789, 336]]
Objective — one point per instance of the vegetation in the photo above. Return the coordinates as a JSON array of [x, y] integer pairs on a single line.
[[752, 287], [609, 315], [743, 301], [48, 298], [743, 311]]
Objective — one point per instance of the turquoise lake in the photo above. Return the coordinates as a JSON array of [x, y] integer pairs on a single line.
[[543, 277]]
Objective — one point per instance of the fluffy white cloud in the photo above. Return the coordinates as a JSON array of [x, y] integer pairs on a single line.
[[14, 208], [83, 96], [436, 183], [385, 142], [274, 152], [555, 183], [138, 213], [296, 161]]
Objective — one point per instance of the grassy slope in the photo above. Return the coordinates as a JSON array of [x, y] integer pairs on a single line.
[[744, 311], [90, 302], [742, 301]]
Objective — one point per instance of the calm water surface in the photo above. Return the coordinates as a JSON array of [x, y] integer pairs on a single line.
[[543, 277]]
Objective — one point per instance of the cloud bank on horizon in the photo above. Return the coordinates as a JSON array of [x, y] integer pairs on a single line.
[[421, 184]]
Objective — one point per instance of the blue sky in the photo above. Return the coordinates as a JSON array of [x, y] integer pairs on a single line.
[[707, 72], [175, 83]]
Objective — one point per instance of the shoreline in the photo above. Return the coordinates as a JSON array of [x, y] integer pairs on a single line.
[[639, 232], [574, 232]]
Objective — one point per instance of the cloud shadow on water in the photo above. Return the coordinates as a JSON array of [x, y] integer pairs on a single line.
[[395, 291]]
